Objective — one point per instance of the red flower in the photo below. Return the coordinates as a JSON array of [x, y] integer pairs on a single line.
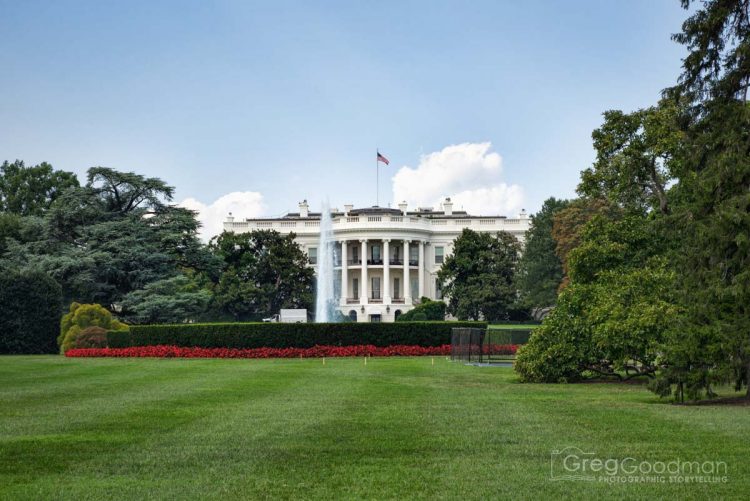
[[316, 351]]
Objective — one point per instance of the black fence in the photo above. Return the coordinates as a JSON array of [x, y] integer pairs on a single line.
[[470, 344]]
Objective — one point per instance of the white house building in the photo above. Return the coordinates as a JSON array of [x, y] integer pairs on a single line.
[[385, 259]]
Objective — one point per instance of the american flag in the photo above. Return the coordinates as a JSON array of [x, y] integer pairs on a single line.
[[381, 158]]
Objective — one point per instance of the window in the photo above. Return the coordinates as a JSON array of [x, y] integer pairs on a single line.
[[353, 315], [438, 289], [376, 287], [439, 253], [413, 254], [355, 288], [312, 254], [396, 288], [355, 254], [375, 318], [375, 253], [414, 287], [397, 314]]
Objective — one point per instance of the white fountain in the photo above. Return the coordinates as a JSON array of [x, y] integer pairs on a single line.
[[325, 303]]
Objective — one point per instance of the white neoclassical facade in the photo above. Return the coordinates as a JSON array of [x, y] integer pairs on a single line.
[[385, 259]]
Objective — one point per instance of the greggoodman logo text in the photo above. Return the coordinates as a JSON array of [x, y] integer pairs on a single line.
[[572, 463]]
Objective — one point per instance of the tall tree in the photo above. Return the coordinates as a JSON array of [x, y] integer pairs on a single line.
[[114, 236], [712, 208], [263, 272], [29, 191], [540, 269], [635, 156], [479, 277]]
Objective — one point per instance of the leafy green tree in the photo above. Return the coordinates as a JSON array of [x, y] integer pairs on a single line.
[[711, 344], [540, 269], [617, 309], [173, 300], [114, 236], [263, 272], [427, 309], [636, 153], [29, 191], [30, 304], [479, 277]]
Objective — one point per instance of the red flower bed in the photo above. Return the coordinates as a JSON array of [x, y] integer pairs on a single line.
[[316, 351]]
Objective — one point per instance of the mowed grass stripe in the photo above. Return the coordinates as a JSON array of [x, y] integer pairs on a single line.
[[396, 428]]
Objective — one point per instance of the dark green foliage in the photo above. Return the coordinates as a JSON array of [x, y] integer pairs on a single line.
[[540, 269], [425, 310], [30, 305], [610, 320], [711, 221], [479, 277], [277, 335], [172, 300], [29, 191], [263, 272], [635, 158], [114, 236]]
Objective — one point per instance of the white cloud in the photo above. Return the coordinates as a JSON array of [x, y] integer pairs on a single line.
[[242, 204], [468, 173]]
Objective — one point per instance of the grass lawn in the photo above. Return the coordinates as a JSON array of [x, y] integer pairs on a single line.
[[514, 326], [396, 428]]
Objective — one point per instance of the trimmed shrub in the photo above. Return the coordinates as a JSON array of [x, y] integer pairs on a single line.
[[30, 306], [277, 335], [91, 337], [82, 316], [427, 309]]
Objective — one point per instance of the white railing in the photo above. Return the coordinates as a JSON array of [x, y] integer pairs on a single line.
[[385, 222]]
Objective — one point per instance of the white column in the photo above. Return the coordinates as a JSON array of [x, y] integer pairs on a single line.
[[363, 285], [407, 283], [386, 272], [344, 273], [421, 269]]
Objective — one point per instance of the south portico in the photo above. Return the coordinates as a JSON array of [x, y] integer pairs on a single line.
[[380, 278]]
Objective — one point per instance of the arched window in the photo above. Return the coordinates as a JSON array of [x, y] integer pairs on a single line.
[[397, 314], [353, 315]]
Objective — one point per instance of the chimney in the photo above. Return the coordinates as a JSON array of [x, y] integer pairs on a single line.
[[448, 207], [347, 209], [303, 208], [402, 207], [230, 218]]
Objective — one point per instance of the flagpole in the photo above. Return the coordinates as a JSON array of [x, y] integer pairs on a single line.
[[377, 178]]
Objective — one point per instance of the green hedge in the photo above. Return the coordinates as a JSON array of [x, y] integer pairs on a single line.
[[277, 335], [510, 336]]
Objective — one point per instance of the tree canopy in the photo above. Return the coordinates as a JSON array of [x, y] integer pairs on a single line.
[[540, 268], [479, 277]]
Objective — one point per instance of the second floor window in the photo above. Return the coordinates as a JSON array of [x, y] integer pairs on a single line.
[[439, 255], [375, 250], [312, 254]]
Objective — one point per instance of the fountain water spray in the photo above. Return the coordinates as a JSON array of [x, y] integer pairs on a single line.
[[325, 302]]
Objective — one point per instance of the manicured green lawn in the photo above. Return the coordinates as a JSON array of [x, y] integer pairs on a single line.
[[514, 326], [396, 428]]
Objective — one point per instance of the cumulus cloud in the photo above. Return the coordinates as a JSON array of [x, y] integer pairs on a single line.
[[242, 204], [469, 173]]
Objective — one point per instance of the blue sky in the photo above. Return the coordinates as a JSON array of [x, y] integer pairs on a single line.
[[281, 101]]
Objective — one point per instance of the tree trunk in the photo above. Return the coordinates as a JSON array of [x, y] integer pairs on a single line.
[[663, 205]]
